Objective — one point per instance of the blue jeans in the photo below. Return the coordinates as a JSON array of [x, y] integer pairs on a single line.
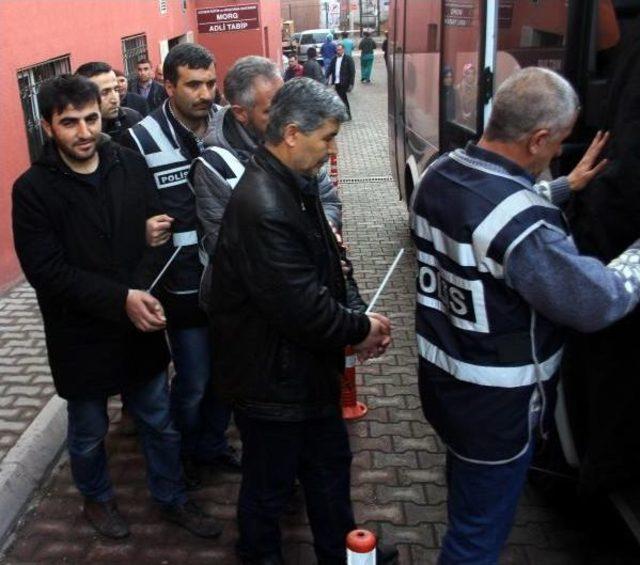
[[199, 416], [88, 425], [273, 455], [482, 504]]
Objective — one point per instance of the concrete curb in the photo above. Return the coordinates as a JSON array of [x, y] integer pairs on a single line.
[[24, 467]]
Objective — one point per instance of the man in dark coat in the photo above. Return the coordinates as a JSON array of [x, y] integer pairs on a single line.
[[130, 99], [79, 218], [311, 67], [115, 118], [280, 322], [342, 74], [144, 85]]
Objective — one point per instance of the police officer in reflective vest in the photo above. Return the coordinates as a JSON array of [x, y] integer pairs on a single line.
[[499, 281], [169, 139]]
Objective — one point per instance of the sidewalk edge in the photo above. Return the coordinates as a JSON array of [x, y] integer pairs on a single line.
[[27, 462]]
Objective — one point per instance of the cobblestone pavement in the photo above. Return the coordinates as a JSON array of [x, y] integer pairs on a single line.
[[25, 379], [398, 469]]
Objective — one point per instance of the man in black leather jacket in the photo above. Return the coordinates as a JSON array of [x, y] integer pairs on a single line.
[[280, 322]]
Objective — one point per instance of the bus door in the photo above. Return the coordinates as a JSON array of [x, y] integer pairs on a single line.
[[467, 62], [396, 55]]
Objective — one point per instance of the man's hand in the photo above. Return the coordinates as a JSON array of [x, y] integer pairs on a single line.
[[377, 340], [158, 230], [145, 311], [586, 169]]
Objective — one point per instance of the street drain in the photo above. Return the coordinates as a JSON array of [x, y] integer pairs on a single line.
[[359, 180]]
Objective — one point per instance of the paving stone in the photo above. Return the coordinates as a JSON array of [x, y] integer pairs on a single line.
[[390, 512], [406, 460], [387, 493]]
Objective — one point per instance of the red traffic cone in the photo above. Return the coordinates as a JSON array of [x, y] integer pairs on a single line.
[[361, 548], [351, 408]]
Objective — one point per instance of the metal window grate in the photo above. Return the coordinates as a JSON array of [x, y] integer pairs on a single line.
[[163, 6], [29, 81], [134, 48]]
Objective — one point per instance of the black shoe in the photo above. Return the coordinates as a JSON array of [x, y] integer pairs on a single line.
[[192, 475], [105, 518], [229, 460], [386, 554], [192, 518]]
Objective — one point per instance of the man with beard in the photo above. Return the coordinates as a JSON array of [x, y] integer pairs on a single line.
[[79, 219], [116, 119], [169, 139], [238, 131], [280, 323]]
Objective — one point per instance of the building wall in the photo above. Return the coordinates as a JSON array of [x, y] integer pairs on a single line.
[[34, 31], [304, 13]]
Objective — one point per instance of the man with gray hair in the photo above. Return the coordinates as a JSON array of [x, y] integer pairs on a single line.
[[237, 131], [499, 281], [280, 322]]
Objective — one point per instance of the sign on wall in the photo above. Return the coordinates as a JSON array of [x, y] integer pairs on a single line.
[[228, 18], [458, 13]]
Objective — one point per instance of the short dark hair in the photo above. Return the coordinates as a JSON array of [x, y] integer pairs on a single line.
[[190, 55], [345, 34], [143, 61], [59, 92], [93, 68], [312, 53], [119, 73]]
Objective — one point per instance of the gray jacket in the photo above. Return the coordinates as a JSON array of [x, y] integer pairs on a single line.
[[212, 178]]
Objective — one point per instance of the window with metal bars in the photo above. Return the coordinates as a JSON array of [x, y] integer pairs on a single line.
[[29, 81], [134, 48]]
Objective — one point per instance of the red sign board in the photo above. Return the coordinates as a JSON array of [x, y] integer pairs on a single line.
[[458, 13], [228, 18]]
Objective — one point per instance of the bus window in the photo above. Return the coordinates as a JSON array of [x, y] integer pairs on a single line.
[[530, 34], [461, 60], [421, 68]]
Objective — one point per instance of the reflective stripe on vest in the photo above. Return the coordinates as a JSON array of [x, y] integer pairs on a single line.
[[230, 159], [505, 377]]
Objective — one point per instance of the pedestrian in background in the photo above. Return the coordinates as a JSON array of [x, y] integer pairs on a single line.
[[342, 74], [492, 307], [311, 67], [367, 46], [294, 69], [279, 293], [144, 84], [79, 217], [130, 99], [327, 52], [347, 43], [170, 138], [116, 119]]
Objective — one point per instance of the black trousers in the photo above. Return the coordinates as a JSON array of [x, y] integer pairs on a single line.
[[317, 452], [341, 90]]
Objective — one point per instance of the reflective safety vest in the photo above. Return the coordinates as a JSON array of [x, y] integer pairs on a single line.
[[485, 356], [224, 165], [158, 143]]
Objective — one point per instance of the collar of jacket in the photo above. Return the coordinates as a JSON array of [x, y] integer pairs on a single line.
[[485, 155], [186, 138], [306, 184]]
